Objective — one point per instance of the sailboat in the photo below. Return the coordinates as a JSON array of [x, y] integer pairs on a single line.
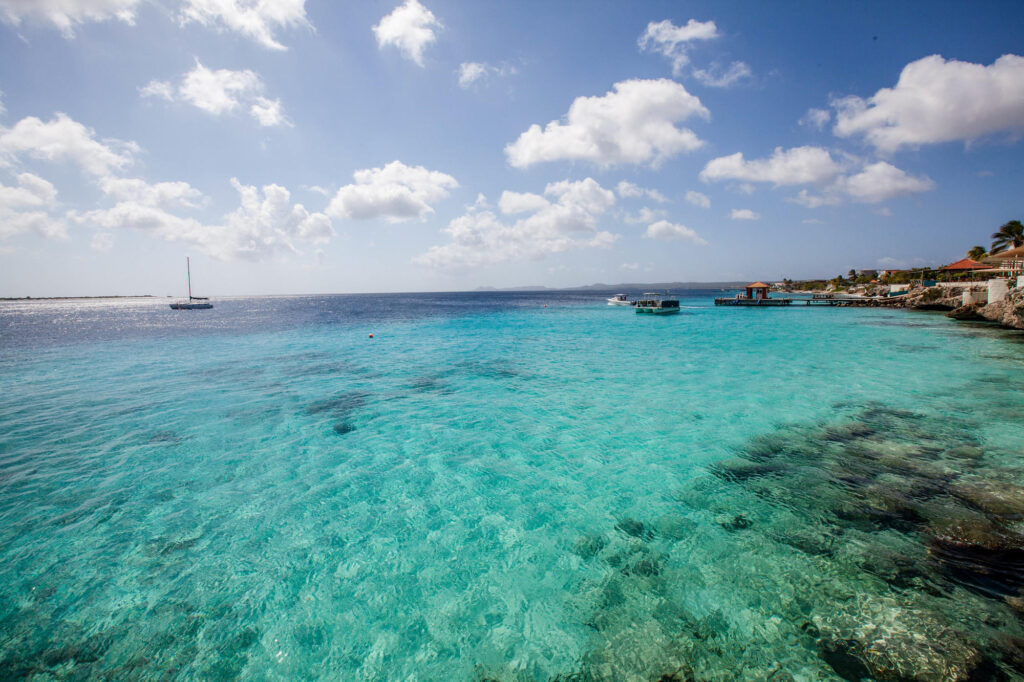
[[194, 302]]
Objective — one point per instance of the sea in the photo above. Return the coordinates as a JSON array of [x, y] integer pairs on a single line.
[[507, 486]]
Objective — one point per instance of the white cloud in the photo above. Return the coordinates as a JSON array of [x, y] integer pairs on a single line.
[[473, 72], [633, 124], [881, 181], [672, 42], [163, 194], [265, 223], [645, 216], [255, 19], [698, 199], [665, 230], [796, 166], [743, 214], [63, 139], [64, 15], [629, 267], [936, 100], [2, 109], [628, 190], [268, 112], [32, 191], [717, 77], [161, 89], [885, 212], [24, 208], [812, 221], [470, 72], [102, 241], [564, 218], [512, 203], [396, 192], [220, 92], [816, 118], [410, 28]]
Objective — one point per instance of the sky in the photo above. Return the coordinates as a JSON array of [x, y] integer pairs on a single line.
[[314, 146]]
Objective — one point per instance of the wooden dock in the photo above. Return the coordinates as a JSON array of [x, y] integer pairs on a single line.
[[815, 300]]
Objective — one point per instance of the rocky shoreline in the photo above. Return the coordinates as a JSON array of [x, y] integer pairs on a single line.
[[1009, 312]]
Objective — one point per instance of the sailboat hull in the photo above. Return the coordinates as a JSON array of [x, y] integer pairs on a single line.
[[191, 306]]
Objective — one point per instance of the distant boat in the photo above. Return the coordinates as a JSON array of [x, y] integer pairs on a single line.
[[656, 304], [189, 305], [619, 299]]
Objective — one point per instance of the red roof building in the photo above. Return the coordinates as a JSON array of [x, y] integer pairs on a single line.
[[964, 265]]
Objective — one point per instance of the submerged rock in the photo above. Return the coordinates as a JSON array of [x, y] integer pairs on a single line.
[[634, 528], [589, 546], [884, 640]]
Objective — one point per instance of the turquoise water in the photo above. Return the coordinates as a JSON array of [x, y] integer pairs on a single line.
[[507, 487]]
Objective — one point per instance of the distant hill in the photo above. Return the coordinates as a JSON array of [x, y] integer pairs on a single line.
[[629, 286]]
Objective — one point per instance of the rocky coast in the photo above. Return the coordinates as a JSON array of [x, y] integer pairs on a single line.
[[1009, 312]]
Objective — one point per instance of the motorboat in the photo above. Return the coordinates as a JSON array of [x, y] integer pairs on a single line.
[[619, 299], [656, 304]]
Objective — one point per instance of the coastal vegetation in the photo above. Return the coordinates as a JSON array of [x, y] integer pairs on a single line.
[[1009, 235]]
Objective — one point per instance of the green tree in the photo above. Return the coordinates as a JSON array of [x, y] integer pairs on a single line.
[[851, 275], [1010, 235], [977, 253]]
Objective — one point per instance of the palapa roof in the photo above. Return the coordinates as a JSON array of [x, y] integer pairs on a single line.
[[965, 264], [1017, 252], [758, 285]]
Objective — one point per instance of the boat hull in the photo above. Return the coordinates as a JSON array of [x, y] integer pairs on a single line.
[[191, 306], [657, 311]]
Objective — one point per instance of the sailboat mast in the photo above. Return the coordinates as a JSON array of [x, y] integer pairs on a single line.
[[188, 272]]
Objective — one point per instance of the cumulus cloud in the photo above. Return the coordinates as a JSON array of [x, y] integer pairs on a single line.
[[880, 181], [936, 100], [816, 118], [62, 139], [645, 216], [698, 199], [629, 267], [474, 72], [743, 214], [636, 123], [64, 15], [395, 192], [673, 42], [265, 223], [26, 208], [163, 194], [628, 190], [410, 28], [872, 183], [254, 19], [715, 76], [665, 230], [796, 166], [220, 92], [563, 218]]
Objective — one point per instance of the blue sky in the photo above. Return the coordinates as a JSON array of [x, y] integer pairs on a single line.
[[303, 146]]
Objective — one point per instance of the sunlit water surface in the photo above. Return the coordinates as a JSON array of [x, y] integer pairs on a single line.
[[508, 487]]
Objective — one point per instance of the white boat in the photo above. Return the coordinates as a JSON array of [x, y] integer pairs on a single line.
[[619, 299], [193, 302], [656, 304]]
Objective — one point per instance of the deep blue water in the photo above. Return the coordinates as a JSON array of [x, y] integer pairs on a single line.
[[507, 486]]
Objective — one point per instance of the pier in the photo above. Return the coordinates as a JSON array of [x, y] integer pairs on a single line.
[[756, 296]]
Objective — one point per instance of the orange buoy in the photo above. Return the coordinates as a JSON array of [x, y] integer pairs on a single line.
[[371, 336]]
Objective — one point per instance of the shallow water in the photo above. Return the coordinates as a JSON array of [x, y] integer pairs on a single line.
[[507, 486]]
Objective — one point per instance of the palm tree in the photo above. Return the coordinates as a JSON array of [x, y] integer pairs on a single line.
[[1011, 234], [976, 253]]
